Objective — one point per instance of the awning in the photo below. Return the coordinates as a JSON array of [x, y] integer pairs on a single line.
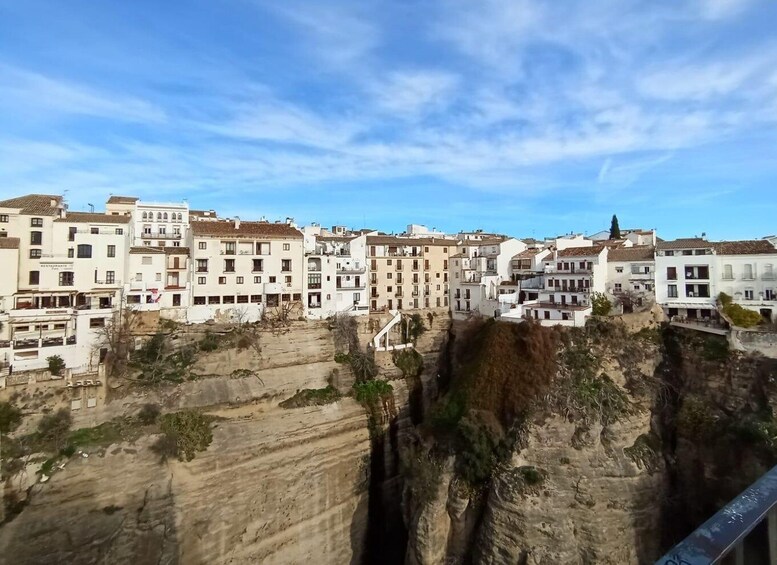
[[689, 305]]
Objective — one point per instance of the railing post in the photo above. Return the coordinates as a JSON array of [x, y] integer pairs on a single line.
[[739, 553], [772, 532]]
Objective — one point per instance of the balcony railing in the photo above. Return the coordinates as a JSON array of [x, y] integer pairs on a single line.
[[157, 235], [356, 270]]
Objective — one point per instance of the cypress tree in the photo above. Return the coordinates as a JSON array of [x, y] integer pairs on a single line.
[[615, 230]]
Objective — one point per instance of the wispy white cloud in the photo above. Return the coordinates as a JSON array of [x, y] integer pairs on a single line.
[[411, 92], [34, 94]]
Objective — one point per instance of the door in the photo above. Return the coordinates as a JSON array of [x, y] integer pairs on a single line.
[[390, 304], [175, 262], [339, 282]]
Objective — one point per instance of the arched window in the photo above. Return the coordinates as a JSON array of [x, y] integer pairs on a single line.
[[180, 217], [158, 216], [165, 215], [145, 215]]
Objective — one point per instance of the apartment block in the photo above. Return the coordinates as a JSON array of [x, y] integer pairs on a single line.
[[482, 276], [336, 274], [690, 273], [571, 275], [243, 268], [408, 273], [631, 275]]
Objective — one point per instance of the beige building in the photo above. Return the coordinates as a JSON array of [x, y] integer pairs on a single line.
[[408, 273]]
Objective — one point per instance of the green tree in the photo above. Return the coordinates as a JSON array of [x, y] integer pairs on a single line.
[[53, 429], [601, 304], [10, 417], [56, 364], [615, 230]]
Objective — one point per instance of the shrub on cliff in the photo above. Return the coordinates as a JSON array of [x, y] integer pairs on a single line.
[[184, 434], [10, 417], [409, 361], [56, 365], [312, 397], [601, 305]]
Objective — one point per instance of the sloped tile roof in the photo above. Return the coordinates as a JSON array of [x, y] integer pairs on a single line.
[[581, 251], [146, 250], [93, 218], [246, 229], [34, 204], [9, 243], [745, 247], [176, 250], [408, 241], [636, 253], [122, 199], [685, 243]]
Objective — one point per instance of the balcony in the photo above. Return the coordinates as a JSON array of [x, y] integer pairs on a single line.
[[314, 286], [157, 235], [227, 252], [355, 286], [352, 270]]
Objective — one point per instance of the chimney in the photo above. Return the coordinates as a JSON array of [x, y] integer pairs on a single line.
[[53, 202], [237, 223]]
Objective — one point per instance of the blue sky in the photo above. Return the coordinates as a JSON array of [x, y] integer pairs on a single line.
[[526, 117]]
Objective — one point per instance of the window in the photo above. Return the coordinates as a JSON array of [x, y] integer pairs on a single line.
[[229, 265], [147, 229], [263, 248], [202, 245], [110, 277], [749, 294], [84, 251], [748, 272], [199, 300], [229, 300], [158, 277], [159, 216], [222, 280], [202, 265], [314, 280], [671, 291], [34, 277], [229, 247], [257, 280], [258, 265], [768, 272], [36, 222], [286, 246], [164, 215], [96, 322], [201, 280], [239, 280], [256, 298], [272, 279], [162, 230], [285, 265], [119, 231], [288, 280], [94, 231], [133, 299], [389, 276], [242, 299], [4, 218], [145, 260], [618, 269], [36, 238], [139, 277], [111, 251], [35, 253], [214, 300], [671, 273], [66, 278], [618, 287]]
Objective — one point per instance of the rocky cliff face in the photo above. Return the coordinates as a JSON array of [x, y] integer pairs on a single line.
[[687, 427]]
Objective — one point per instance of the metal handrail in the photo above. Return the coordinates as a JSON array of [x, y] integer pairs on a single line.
[[726, 531]]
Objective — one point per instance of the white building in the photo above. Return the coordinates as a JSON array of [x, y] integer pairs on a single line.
[[631, 275], [161, 224], [336, 274], [691, 273], [571, 276], [479, 269], [242, 268]]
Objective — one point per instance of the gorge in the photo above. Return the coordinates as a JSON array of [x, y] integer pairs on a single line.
[[494, 443]]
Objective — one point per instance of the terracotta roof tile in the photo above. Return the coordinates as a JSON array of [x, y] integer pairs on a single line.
[[90, 217], [246, 229], [146, 250], [637, 253], [122, 199], [176, 250], [581, 251], [34, 204], [408, 241], [9, 243], [746, 247], [685, 243]]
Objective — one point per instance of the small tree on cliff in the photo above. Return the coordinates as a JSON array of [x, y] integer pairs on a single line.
[[615, 230], [601, 305]]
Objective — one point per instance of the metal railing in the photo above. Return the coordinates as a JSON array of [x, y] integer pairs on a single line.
[[727, 533]]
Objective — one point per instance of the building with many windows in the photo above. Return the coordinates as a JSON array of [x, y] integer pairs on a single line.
[[571, 276], [631, 275], [244, 268], [408, 273], [691, 273]]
